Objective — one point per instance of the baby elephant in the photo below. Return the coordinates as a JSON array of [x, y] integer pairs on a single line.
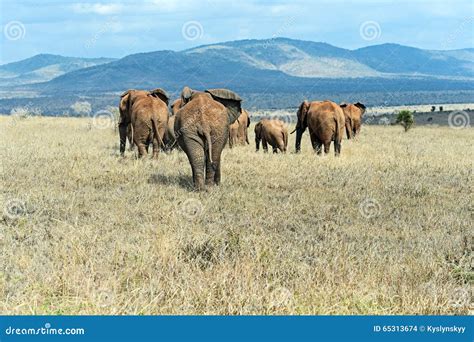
[[273, 132]]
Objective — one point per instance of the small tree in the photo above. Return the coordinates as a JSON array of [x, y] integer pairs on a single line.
[[82, 108], [406, 119]]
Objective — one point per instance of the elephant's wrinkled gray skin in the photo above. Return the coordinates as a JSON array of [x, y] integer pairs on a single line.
[[202, 130]]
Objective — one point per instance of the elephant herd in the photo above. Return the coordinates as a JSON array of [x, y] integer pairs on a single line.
[[202, 122]]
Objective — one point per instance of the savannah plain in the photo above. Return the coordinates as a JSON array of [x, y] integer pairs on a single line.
[[386, 228]]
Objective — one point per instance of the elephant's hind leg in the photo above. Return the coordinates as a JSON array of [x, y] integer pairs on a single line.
[[214, 176], [337, 147], [316, 143], [210, 171], [326, 147], [217, 173], [142, 149], [280, 146], [265, 145], [196, 157]]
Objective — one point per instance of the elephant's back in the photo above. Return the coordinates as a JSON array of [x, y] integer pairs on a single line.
[[322, 119], [149, 103]]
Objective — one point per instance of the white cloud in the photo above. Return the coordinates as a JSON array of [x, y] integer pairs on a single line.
[[103, 9]]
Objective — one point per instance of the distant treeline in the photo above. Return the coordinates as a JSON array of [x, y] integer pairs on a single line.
[[68, 105]]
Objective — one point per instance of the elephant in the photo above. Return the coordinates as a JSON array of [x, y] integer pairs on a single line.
[[353, 118], [202, 130], [147, 113], [273, 132], [238, 131], [325, 122]]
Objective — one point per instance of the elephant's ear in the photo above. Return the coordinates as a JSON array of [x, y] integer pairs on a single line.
[[125, 93], [161, 94], [301, 114], [361, 106], [123, 106], [186, 95], [230, 100]]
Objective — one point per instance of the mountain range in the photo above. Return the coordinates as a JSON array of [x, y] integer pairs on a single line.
[[251, 67], [44, 67]]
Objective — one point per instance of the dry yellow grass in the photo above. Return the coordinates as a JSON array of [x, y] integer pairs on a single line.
[[384, 229]]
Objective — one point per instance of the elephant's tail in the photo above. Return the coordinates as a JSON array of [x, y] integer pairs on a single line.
[[157, 132], [337, 137], [207, 135], [131, 141]]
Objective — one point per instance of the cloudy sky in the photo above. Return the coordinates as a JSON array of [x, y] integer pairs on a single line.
[[118, 28]]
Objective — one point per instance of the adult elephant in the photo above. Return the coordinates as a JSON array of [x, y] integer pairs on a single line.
[[353, 118], [202, 129], [325, 122], [147, 113], [238, 131], [273, 132]]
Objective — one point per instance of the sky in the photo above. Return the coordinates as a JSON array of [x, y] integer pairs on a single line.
[[119, 28]]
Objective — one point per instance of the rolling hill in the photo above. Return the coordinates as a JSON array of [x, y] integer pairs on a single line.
[[43, 67], [255, 65], [269, 73]]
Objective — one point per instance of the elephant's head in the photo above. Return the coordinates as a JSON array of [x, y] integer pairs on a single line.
[[160, 94], [301, 124], [186, 95], [361, 107], [230, 100]]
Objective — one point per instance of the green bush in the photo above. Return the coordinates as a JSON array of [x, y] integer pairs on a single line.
[[406, 119]]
